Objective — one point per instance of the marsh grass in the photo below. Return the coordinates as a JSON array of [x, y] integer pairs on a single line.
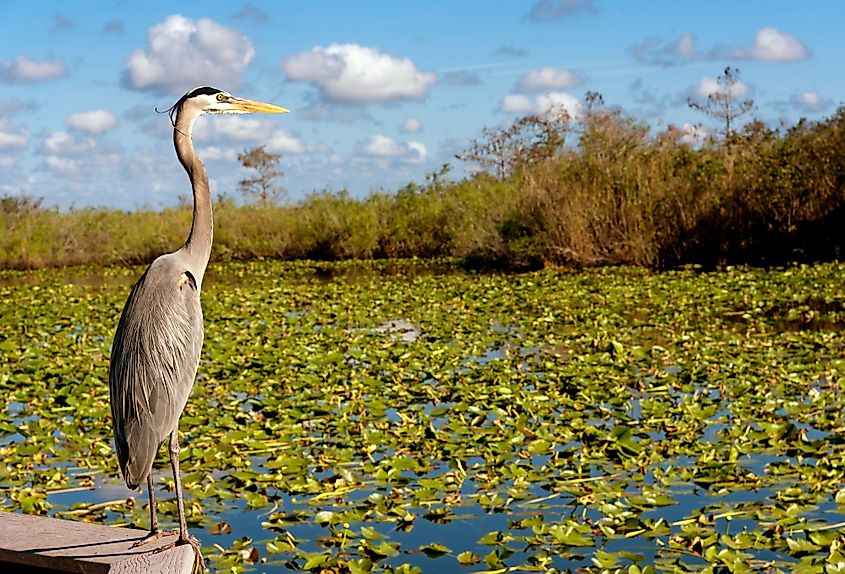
[[621, 195]]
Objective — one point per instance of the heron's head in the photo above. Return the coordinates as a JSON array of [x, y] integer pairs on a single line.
[[208, 100]]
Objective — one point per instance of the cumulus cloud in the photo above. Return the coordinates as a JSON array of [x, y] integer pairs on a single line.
[[383, 147], [62, 164], [248, 130], [217, 153], [770, 44], [653, 51], [521, 104], [282, 142], [810, 101], [95, 122], [411, 125], [182, 53], [516, 104], [12, 138], [549, 100], [68, 155], [694, 134], [709, 86], [549, 10], [548, 79], [64, 144], [357, 74], [23, 70]]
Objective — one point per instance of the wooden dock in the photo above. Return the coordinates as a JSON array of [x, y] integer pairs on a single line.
[[38, 545]]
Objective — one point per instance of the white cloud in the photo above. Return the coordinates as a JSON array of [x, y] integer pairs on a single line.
[[11, 138], [810, 101], [548, 79], [773, 45], [557, 100], [248, 130], [383, 147], [517, 104], [233, 128], [23, 70], [685, 46], [419, 149], [695, 134], [182, 53], [95, 122], [283, 143], [65, 145], [216, 153], [411, 125], [709, 86], [542, 103], [358, 74], [62, 164]]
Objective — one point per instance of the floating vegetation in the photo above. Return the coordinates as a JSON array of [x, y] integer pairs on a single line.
[[607, 420]]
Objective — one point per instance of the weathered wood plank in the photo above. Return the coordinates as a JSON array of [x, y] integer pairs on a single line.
[[40, 542]]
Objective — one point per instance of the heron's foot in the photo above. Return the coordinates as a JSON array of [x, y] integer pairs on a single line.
[[153, 536], [199, 561]]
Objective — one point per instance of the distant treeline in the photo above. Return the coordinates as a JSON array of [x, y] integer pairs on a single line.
[[603, 191]]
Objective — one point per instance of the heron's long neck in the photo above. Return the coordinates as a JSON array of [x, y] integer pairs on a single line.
[[197, 248]]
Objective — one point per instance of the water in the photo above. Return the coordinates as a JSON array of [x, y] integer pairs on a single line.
[[522, 465]]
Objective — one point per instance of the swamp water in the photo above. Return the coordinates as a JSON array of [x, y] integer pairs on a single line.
[[351, 418]]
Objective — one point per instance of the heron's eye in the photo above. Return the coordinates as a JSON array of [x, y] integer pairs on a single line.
[[222, 97]]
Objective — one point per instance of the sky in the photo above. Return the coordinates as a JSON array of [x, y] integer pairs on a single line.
[[381, 93]]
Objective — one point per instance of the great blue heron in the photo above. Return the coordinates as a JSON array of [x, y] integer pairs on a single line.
[[157, 344]]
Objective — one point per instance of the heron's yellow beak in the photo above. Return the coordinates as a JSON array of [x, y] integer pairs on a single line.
[[252, 106]]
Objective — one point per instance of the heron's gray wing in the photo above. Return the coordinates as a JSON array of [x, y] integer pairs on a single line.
[[153, 364]]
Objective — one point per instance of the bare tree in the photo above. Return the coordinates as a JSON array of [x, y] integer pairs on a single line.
[[261, 187], [530, 139], [723, 103]]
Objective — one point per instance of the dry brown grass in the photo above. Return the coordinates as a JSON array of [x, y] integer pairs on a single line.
[[621, 196]]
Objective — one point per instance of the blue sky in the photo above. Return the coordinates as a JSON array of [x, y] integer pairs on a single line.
[[381, 92]]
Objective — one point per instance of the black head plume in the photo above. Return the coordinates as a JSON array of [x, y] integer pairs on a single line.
[[201, 91]]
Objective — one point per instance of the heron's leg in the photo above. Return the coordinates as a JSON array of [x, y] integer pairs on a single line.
[[155, 530], [177, 478], [154, 527], [199, 561]]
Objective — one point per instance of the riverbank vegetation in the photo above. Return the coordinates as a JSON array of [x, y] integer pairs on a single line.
[[603, 190]]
